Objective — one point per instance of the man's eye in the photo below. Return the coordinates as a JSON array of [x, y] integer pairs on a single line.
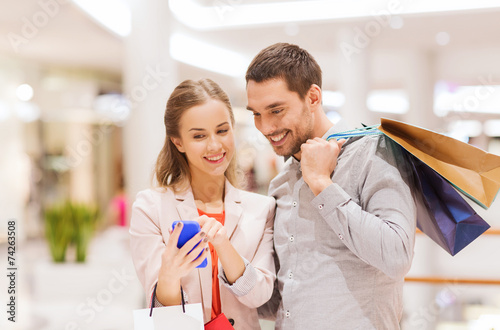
[[256, 114], [277, 111]]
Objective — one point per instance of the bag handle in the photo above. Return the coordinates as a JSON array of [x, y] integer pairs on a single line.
[[368, 130], [154, 296]]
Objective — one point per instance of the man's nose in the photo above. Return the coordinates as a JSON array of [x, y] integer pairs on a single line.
[[267, 126]]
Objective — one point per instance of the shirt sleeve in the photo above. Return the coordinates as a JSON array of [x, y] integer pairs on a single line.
[[380, 227], [157, 303], [255, 286], [244, 284]]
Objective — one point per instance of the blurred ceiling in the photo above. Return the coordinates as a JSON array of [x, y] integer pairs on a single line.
[[69, 37], [58, 34]]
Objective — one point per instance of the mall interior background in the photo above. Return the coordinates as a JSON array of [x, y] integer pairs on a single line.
[[83, 86]]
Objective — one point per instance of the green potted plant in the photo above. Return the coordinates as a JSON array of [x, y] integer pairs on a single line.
[[67, 224], [58, 230], [84, 220]]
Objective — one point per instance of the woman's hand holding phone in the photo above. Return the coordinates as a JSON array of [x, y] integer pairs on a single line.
[[178, 262]]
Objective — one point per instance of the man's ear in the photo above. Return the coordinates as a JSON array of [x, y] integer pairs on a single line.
[[314, 96], [177, 143]]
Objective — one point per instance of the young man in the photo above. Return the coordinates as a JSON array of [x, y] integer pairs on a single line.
[[345, 220]]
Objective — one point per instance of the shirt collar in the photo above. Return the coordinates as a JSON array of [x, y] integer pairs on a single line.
[[340, 126]]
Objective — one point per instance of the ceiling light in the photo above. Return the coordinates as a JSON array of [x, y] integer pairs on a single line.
[[478, 99], [207, 56], [227, 14], [492, 127], [471, 128], [389, 100], [443, 38], [24, 92], [27, 111], [112, 14]]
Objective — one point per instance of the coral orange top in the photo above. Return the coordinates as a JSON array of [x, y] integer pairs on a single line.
[[216, 305]]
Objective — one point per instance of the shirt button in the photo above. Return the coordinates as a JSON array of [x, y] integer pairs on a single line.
[[287, 314], [320, 206], [340, 236], [291, 238], [294, 203], [290, 275]]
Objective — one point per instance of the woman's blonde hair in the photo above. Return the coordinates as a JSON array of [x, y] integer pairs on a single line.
[[172, 169]]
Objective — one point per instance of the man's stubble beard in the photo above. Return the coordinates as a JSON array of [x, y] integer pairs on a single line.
[[301, 138]]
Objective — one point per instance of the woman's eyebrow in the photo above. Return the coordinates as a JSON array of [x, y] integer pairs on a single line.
[[202, 129]]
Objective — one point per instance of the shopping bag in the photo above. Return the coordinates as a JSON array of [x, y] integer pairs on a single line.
[[219, 323], [442, 213], [170, 317], [474, 172], [184, 316]]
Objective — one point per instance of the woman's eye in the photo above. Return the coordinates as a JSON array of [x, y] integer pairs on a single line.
[[222, 131], [198, 136]]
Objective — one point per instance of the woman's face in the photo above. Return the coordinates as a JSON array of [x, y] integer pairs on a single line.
[[206, 137]]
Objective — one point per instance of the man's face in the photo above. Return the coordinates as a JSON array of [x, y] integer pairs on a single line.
[[284, 119]]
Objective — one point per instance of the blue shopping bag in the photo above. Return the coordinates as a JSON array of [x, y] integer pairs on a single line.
[[442, 213]]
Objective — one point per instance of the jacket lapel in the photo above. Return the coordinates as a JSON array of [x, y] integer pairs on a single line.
[[185, 205], [187, 210], [233, 209]]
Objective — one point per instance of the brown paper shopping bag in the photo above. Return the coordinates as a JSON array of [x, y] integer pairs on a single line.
[[474, 172]]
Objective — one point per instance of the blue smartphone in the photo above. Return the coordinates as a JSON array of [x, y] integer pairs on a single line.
[[189, 229]]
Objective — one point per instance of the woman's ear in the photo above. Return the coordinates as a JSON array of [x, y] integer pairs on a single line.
[[177, 143]]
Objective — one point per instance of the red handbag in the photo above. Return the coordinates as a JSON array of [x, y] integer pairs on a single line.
[[219, 323]]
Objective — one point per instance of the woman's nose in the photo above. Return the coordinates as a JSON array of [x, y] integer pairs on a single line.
[[214, 143]]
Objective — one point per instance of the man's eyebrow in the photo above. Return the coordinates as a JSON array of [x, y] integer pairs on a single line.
[[202, 129], [274, 105], [270, 106]]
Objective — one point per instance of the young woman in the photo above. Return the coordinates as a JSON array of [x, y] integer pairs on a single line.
[[195, 172]]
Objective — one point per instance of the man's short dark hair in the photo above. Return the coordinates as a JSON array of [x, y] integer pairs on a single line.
[[289, 62]]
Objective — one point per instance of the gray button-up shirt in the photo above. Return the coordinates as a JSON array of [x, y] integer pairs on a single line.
[[343, 254]]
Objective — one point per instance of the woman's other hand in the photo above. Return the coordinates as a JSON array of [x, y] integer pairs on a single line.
[[215, 232]]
